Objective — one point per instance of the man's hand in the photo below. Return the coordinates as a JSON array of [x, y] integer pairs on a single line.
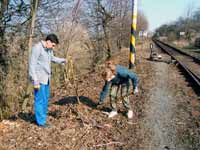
[[64, 62], [36, 85]]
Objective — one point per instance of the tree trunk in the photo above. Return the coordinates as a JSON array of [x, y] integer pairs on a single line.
[[3, 51], [107, 40], [31, 32], [33, 16]]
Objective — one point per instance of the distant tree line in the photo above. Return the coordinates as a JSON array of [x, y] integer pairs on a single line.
[[190, 25]]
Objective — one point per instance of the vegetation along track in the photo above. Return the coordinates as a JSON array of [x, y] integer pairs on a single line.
[[189, 63]]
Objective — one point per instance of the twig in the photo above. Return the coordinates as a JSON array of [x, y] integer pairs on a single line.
[[76, 91], [78, 114]]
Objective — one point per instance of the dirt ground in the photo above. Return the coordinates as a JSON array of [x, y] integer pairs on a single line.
[[166, 114]]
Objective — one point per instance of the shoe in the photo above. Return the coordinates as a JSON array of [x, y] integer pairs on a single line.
[[130, 114], [112, 114], [99, 103], [136, 90]]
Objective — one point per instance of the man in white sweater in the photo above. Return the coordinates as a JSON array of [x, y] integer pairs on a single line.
[[40, 73]]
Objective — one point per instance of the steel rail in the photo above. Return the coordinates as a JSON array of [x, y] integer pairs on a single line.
[[188, 62], [196, 59]]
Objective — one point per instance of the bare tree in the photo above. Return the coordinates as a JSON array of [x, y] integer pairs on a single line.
[[142, 22], [34, 6], [188, 20], [3, 20], [13, 17]]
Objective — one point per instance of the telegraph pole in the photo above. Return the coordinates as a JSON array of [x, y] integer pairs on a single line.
[[132, 56]]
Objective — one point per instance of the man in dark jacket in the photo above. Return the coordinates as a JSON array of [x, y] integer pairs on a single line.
[[116, 76]]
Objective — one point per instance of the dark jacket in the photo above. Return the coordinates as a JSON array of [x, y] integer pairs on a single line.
[[123, 75]]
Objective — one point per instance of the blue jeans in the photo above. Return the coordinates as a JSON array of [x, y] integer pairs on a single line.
[[41, 98]]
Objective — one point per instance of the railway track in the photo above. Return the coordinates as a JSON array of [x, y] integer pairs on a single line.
[[188, 62]]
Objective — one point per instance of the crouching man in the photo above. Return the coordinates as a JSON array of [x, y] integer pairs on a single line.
[[117, 78]]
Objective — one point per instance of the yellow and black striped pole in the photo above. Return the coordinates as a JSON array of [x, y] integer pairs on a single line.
[[132, 56]]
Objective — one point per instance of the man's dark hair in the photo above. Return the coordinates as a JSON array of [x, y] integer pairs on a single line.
[[53, 38]]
